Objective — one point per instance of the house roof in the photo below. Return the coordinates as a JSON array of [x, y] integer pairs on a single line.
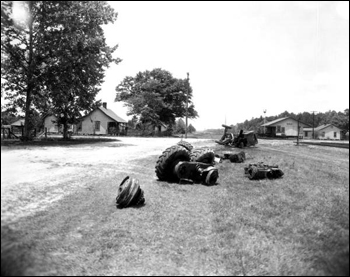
[[280, 120], [19, 122], [109, 113], [321, 127], [112, 115], [274, 121]]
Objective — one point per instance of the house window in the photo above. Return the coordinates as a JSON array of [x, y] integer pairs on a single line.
[[306, 134], [97, 125], [278, 129], [80, 125], [283, 130], [335, 134]]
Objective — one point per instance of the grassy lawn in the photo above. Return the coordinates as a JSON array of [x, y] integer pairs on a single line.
[[296, 225]]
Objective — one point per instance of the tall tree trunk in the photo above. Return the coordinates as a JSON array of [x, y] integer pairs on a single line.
[[65, 131], [29, 76]]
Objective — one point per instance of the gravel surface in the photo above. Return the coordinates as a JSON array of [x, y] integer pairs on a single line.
[[33, 178]]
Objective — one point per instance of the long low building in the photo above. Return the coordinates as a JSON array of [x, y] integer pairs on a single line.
[[325, 131], [284, 127]]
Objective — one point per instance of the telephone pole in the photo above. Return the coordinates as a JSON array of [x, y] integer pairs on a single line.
[[264, 121], [313, 124], [188, 90]]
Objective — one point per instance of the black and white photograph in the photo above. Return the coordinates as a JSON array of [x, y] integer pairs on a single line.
[[174, 138]]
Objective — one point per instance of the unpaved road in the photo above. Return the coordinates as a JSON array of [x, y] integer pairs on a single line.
[[33, 178]]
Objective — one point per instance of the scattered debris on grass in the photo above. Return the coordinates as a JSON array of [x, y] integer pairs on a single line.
[[233, 157], [129, 194], [178, 163], [261, 171]]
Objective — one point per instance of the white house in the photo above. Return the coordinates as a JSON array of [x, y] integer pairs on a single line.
[[102, 121], [286, 126], [17, 126], [50, 125], [325, 131]]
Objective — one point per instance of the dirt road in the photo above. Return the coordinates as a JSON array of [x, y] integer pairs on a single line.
[[33, 178]]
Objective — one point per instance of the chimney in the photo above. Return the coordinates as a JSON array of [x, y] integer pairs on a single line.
[[104, 104]]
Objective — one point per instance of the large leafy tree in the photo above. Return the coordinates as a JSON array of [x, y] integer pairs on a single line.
[[156, 96], [56, 56]]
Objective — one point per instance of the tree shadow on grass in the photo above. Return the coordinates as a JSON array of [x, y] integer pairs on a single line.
[[57, 142], [15, 255]]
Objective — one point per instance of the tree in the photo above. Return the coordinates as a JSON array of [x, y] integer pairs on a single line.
[[156, 96], [180, 127], [56, 56], [191, 129], [341, 120], [132, 122]]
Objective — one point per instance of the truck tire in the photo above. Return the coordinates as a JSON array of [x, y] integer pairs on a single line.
[[203, 156], [167, 161], [186, 145]]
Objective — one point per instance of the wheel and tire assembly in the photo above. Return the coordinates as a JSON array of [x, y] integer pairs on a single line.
[[168, 160], [185, 145], [203, 156], [129, 194]]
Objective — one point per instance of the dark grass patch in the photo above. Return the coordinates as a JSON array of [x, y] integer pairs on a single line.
[[16, 255], [54, 142]]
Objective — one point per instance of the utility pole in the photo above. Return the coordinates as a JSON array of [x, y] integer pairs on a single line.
[[188, 90], [298, 133], [313, 124], [264, 121]]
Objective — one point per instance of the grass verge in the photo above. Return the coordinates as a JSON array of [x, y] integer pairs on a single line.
[[296, 225]]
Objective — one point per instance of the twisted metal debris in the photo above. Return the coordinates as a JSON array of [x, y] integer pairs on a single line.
[[261, 171]]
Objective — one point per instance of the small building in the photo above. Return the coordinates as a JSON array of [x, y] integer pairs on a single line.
[[325, 131], [17, 127], [51, 127], [284, 127], [151, 129], [102, 121]]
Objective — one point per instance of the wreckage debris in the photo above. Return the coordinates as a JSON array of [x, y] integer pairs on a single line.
[[196, 172], [261, 171], [243, 139], [188, 146], [179, 164], [129, 194], [206, 155], [234, 158], [237, 158], [167, 161]]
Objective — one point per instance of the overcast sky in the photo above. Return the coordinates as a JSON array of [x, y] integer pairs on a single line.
[[242, 57]]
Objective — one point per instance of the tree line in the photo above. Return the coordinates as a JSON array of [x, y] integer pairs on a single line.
[[338, 119]]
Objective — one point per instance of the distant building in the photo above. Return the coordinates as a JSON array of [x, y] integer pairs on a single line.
[[284, 127], [17, 127], [325, 131], [102, 121], [50, 125]]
